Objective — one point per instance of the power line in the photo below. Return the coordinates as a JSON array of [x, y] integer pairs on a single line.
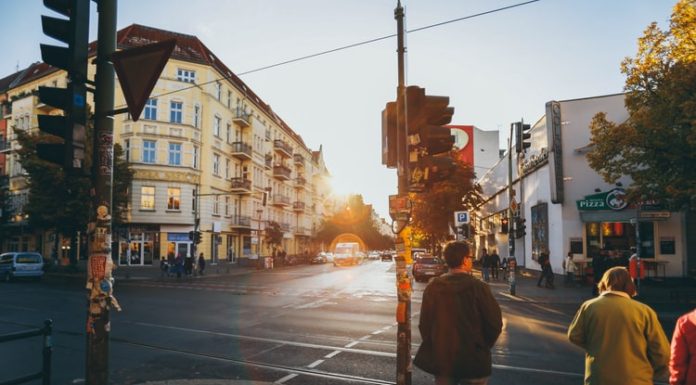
[[353, 45]]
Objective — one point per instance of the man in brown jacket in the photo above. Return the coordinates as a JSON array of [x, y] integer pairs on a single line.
[[460, 321]]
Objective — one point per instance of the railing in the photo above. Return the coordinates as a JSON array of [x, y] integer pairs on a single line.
[[241, 117], [268, 161], [299, 159], [241, 149], [240, 184], [298, 206], [281, 199], [281, 171], [300, 181], [241, 221], [5, 145], [283, 147], [45, 374], [285, 227]]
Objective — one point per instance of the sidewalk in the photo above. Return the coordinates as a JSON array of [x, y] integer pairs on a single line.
[[205, 382]]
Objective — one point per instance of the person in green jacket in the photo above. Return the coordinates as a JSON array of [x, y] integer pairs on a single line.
[[623, 340]]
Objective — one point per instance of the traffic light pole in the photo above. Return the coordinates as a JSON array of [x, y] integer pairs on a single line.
[[403, 279], [512, 262], [99, 281]]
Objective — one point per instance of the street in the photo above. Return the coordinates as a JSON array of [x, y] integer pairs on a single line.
[[308, 324]]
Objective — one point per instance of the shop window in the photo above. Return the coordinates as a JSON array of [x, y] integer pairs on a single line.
[[647, 239]]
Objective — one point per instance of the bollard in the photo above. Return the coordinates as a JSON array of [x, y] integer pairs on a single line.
[[47, 350]]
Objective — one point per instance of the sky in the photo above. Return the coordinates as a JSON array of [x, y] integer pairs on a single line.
[[496, 68]]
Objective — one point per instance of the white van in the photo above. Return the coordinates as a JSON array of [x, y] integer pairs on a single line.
[[21, 264]]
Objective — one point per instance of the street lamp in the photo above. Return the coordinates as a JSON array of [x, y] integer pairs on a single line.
[[258, 233]]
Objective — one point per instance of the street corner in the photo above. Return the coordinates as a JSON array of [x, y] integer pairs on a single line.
[[218, 381]]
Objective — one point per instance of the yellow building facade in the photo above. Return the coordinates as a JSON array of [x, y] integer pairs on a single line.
[[207, 154]]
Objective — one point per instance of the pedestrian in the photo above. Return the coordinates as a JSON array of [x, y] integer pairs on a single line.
[[599, 266], [201, 264], [164, 267], [623, 340], [570, 269], [486, 265], [188, 265], [460, 321], [179, 265], [495, 264], [546, 271], [682, 362]]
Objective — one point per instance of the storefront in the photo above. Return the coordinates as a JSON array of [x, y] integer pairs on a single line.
[[178, 244], [140, 247]]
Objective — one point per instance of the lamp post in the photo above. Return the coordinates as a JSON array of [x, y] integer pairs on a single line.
[[258, 236]]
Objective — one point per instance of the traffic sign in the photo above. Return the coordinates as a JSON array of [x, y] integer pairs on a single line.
[[461, 218]]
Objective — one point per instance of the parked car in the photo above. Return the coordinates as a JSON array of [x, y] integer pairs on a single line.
[[386, 257], [319, 258], [373, 255], [427, 266], [21, 264]]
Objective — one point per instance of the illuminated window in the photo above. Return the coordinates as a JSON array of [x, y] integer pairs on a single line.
[[147, 198], [173, 198]]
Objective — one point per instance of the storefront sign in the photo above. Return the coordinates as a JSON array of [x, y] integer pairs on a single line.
[[655, 214], [609, 200]]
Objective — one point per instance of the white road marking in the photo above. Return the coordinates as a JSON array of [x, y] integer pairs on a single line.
[[315, 364], [350, 345], [333, 354], [286, 378], [374, 333], [363, 338]]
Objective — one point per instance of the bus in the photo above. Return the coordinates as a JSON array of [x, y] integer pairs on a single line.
[[347, 254]]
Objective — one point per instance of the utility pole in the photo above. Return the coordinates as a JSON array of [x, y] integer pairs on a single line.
[[403, 278], [512, 262], [99, 279]]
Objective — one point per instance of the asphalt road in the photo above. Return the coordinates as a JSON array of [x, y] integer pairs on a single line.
[[299, 325]]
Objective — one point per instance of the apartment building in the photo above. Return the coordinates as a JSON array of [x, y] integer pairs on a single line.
[[207, 154]]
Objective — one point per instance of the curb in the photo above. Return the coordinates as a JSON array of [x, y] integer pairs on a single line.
[[206, 382]]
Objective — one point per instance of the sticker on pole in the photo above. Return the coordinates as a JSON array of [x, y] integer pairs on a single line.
[[461, 218]]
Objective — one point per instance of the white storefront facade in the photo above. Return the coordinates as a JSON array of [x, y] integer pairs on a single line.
[[567, 207]]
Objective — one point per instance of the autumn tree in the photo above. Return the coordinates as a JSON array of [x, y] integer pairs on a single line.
[[357, 218], [656, 145], [432, 214]]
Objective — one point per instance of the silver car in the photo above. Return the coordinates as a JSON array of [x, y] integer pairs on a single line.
[[21, 264]]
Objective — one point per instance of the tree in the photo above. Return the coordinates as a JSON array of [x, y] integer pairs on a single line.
[[656, 145], [432, 215], [357, 218], [273, 234]]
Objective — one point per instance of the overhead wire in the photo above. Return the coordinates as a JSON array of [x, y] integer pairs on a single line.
[[353, 45]]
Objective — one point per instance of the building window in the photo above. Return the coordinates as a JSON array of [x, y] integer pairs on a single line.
[[227, 169], [174, 154], [197, 116], [227, 206], [216, 126], [218, 91], [216, 164], [187, 76], [176, 112], [149, 151], [147, 198], [229, 133], [173, 198], [127, 150], [229, 99], [195, 157], [216, 205], [193, 200], [150, 112]]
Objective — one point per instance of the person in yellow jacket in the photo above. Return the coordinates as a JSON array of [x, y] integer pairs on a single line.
[[623, 340]]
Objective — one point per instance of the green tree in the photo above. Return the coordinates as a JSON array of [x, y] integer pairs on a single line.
[[432, 214], [273, 234], [656, 145]]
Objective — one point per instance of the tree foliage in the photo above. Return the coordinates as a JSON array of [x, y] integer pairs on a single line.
[[656, 145], [273, 234], [356, 218], [432, 215]]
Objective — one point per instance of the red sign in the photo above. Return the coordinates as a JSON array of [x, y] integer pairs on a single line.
[[465, 142], [97, 266]]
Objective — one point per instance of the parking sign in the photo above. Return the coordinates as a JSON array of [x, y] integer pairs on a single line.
[[461, 218]]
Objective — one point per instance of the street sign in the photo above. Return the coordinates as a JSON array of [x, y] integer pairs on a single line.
[[138, 70], [461, 218]]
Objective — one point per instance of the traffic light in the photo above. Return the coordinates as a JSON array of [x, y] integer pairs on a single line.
[[197, 237], [429, 144], [389, 147], [522, 136], [504, 226], [73, 31], [520, 227], [191, 235]]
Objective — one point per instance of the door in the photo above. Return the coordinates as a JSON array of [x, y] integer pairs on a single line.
[[183, 249]]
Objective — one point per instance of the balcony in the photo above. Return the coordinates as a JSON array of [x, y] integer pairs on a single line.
[[299, 160], [240, 185], [302, 231], [280, 200], [282, 148], [268, 135], [300, 182], [4, 182], [285, 227], [298, 206], [281, 172], [241, 222], [268, 161], [242, 118], [241, 150]]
